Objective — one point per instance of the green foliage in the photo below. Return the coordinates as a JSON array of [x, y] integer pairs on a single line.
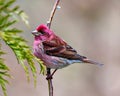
[[3, 73], [10, 15]]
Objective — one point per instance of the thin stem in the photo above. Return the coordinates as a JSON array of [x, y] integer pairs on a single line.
[[52, 13], [50, 85]]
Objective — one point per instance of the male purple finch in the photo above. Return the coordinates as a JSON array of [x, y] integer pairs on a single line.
[[55, 52]]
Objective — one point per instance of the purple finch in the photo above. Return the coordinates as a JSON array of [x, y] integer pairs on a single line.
[[55, 52]]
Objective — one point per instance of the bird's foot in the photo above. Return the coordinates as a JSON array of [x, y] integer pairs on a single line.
[[49, 77]]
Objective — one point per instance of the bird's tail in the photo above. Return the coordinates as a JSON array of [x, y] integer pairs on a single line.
[[85, 60]]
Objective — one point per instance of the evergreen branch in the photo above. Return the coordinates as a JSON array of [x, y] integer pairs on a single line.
[[3, 73], [10, 35]]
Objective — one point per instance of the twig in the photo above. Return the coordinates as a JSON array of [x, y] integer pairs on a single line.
[[52, 13], [50, 85]]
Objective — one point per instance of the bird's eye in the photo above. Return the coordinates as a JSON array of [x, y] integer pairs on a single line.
[[42, 32]]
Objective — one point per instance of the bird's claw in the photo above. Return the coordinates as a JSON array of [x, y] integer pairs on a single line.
[[49, 77]]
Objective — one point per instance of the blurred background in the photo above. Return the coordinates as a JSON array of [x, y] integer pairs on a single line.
[[92, 28]]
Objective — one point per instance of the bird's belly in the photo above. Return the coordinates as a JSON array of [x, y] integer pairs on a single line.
[[58, 63], [53, 61]]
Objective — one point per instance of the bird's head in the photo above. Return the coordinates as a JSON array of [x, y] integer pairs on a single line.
[[42, 32]]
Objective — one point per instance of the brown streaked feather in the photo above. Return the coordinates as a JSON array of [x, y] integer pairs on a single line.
[[57, 47]]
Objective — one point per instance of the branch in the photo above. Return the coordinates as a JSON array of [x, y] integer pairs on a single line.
[[52, 13], [50, 85]]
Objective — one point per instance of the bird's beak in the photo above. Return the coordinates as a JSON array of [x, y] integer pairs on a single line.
[[34, 32]]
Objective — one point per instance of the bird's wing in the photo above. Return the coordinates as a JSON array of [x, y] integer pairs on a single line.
[[58, 47]]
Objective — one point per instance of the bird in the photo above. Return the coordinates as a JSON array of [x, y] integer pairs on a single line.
[[54, 51]]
